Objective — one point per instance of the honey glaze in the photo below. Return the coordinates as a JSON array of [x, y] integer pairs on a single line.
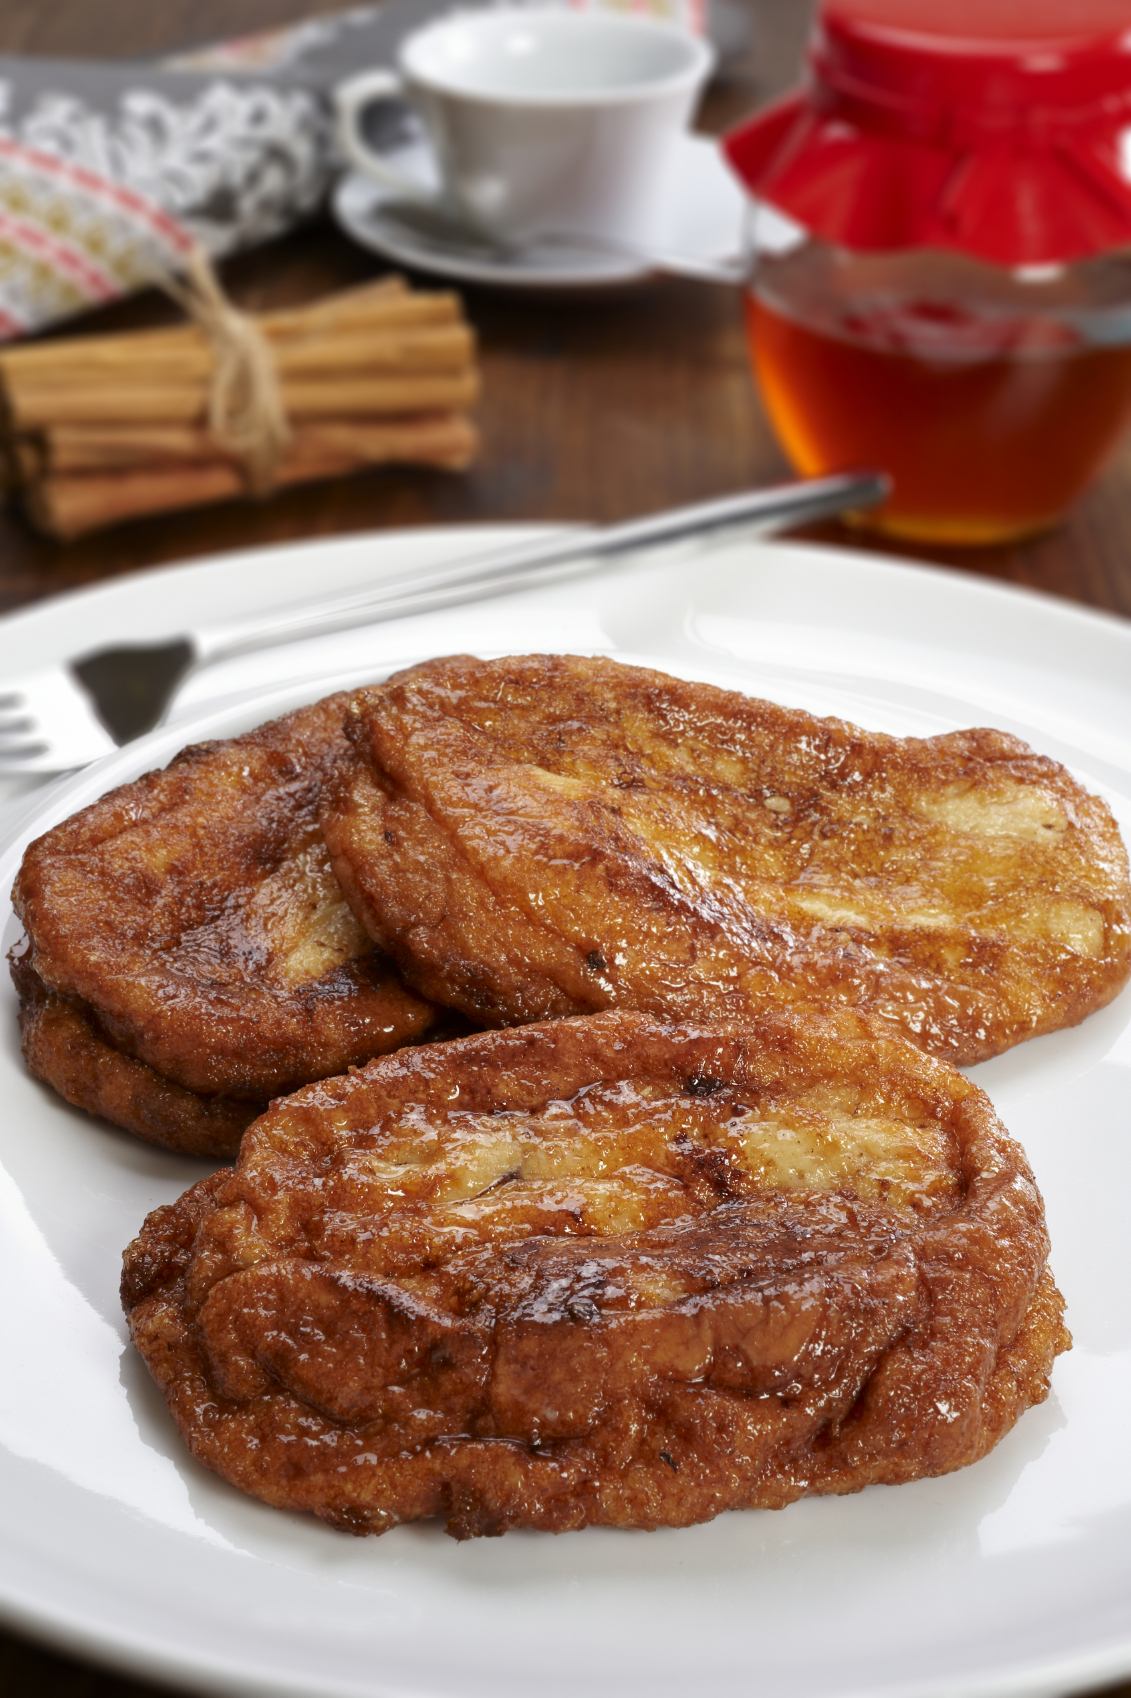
[[989, 423]]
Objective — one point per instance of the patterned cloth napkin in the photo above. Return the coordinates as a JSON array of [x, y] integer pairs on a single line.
[[111, 173]]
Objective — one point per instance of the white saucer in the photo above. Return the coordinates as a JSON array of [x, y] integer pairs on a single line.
[[701, 231]]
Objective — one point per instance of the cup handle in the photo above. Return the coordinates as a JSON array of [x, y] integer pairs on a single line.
[[350, 100]]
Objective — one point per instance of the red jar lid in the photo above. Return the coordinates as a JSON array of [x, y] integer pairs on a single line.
[[1001, 128]]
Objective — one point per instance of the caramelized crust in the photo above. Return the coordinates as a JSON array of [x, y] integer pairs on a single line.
[[545, 836], [63, 1046], [604, 1271], [194, 916]]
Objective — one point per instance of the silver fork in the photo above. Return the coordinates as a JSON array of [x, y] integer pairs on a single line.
[[65, 716]]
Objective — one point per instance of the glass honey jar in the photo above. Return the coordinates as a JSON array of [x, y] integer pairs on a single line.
[[940, 242]]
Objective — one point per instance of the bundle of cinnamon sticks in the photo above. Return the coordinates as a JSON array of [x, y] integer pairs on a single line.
[[103, 428]]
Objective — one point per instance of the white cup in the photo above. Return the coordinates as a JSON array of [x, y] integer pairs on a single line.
[[540, 120]]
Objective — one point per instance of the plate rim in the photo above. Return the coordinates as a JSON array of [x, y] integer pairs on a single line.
[[997, 592]]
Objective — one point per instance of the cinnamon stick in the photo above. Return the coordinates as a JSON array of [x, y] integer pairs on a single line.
[[185, 402], [95, 448], [67, 505], [376, 309], [421, 348]]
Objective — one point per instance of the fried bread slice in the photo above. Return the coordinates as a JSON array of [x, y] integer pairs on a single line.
[[63, 1046], [550, 835], [605, 1270], [193, 917]]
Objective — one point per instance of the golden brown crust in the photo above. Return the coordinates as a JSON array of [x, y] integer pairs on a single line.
[[604, 1271], [540, 836], [195, 915], [63, 1046]]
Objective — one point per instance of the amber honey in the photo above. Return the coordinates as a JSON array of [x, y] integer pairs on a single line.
[[989, 428]]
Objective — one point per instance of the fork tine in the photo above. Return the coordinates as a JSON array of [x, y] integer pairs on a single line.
[[17, 754], [47, 724]]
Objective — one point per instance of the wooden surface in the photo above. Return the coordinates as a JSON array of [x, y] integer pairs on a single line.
[[594, 408]]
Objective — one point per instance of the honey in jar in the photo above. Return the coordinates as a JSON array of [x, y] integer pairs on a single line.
[[937, 289]]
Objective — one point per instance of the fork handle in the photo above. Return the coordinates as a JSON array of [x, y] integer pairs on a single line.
[[523, 565]]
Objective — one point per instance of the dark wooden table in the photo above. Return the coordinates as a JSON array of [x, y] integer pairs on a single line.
[[594, 408]]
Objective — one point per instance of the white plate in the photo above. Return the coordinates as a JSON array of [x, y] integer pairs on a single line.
[[700, 231], [1012, 1577]]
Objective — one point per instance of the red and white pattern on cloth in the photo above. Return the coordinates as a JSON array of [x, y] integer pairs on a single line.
[[71, 239]]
